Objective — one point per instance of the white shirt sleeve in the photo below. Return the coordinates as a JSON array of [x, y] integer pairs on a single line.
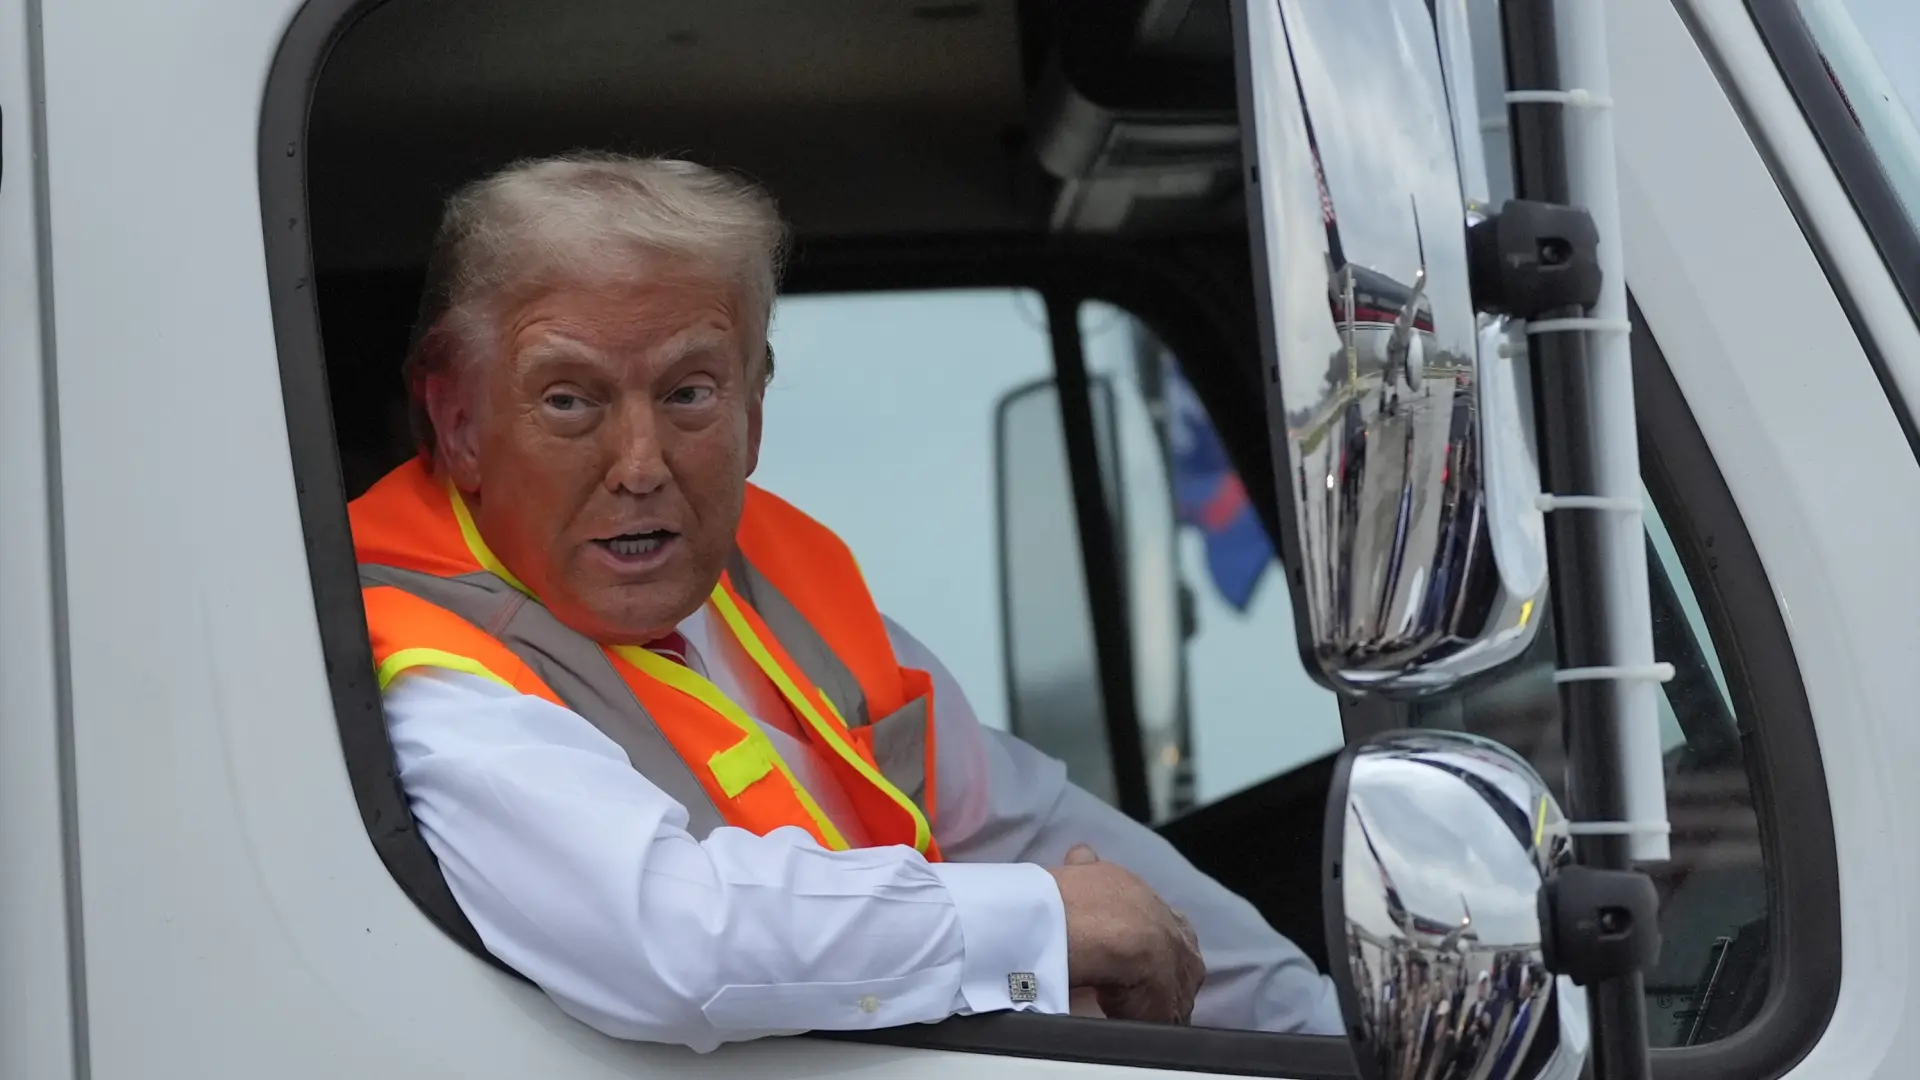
[[579, 873], [1001, 800]]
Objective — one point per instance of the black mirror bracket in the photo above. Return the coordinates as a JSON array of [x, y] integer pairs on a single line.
[[1533, 257], [1599, 924]]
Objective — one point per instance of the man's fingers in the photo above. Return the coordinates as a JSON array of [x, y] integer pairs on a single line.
[[1193, 970], [1144, 959], [1186, 928], [1144, 1002], [1085, 1001]]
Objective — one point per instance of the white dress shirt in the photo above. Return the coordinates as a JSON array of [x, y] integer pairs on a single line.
[[579, 873]]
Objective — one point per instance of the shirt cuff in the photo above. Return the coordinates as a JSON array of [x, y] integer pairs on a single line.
[[1014, 929]]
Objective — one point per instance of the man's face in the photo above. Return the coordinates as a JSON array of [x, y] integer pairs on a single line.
[[605, 450]]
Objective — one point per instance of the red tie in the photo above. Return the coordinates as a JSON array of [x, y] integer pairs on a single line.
[[673, 646]]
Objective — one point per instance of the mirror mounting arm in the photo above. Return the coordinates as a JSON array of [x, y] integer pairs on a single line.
[[1532, 258], [1598, 924]]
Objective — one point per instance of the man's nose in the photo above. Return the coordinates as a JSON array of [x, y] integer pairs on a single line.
[[639, 460]]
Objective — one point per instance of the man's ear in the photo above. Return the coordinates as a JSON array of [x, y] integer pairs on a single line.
[[456, 434]]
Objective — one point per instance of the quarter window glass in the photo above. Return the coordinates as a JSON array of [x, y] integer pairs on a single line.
[[1712, 973], [1868, 47]]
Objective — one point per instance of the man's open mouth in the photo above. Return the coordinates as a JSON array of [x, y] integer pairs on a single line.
[[633, 545]]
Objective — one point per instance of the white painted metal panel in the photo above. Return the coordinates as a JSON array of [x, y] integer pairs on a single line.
[[1810, 448]]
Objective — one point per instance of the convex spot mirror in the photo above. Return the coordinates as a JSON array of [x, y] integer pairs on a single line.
[[1407, 482], [1439, 847]]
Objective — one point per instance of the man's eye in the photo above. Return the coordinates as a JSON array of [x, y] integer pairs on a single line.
[[690, 395], [563, 402]]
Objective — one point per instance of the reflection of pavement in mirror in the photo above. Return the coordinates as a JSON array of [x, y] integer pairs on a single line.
[[1392, 497]]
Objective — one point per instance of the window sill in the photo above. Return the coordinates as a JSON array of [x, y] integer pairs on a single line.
[[1119, 1042]]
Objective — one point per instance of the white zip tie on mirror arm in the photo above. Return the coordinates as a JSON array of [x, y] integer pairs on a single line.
[[1598, 326], [1659, 673], [1618, 828], [1575, 98], [1650, 673], [1619, 504]]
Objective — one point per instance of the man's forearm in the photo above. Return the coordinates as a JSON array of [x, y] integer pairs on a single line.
[[741, 936], [578, 873], [1256, 978]]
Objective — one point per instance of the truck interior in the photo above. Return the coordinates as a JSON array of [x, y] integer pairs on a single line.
[[1087, 150]]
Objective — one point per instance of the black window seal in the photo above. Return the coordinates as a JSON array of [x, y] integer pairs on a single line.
[[315, 29], [1891, 229], [1784, 766], [1088, 1041]]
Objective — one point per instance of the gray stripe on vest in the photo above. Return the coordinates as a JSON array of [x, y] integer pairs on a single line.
[[899, 740], [802, 642], [574, 667], [900, 750]]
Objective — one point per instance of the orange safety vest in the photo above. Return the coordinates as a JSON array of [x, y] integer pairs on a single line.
[[792, 594]]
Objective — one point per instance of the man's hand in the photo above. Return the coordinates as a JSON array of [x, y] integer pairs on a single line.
[[1137, 954]]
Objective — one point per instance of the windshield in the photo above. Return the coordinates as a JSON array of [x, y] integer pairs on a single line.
[[1869, 46]]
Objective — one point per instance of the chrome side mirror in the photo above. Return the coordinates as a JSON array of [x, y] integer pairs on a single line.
[[1442, 850], [1418, 555]]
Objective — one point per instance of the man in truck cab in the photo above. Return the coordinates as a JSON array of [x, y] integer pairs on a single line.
[[678, 769]]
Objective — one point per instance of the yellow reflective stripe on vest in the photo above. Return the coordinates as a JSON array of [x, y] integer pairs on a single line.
[[391, 668], [745, 762], [834, 737], [742, 765], [477, 547]]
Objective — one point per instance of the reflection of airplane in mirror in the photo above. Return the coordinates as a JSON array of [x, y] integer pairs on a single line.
[[1367, 308], [1362, 297], [1386, 322]]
